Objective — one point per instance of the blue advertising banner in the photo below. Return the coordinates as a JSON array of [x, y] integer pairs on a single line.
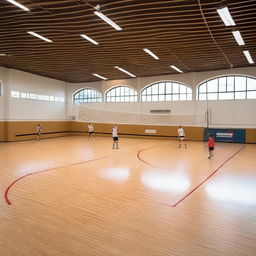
[[226, 135]]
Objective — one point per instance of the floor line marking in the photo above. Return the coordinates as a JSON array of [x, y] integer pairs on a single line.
[[207, 178]]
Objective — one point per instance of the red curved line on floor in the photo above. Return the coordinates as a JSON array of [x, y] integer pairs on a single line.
[[142, 160], [7, 200], [206, 179]]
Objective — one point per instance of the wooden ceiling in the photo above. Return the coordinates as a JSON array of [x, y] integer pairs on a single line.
[[186, 33]]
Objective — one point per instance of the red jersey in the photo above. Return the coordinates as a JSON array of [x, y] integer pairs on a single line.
[[211, 142]]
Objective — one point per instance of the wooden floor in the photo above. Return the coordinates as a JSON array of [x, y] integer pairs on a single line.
[[70, 196]]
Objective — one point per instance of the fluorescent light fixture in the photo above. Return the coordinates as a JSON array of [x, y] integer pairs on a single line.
[[226, 16], [3, 54], [106, 19], [18, 5], [89, 39], [125, 71], [150, 53], [101, 77], [238, 37], [39, 36], [177, 69], [248, 57]]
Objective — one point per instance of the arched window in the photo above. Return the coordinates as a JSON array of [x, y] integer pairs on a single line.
[[121, 94], [166, 91], [87, 95], [228, 88]]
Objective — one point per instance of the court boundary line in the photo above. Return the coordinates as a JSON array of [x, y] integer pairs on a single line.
[[201, 183], [8, 201]]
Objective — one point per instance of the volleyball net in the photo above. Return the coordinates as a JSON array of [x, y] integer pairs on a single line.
[[94, 115]]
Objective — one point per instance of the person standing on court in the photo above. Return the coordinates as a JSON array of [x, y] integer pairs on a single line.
[[181, 137], [90, 131], [211, 144], [115, 137], [38, 132]]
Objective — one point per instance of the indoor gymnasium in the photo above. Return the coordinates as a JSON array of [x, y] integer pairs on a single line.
[[127, 128]]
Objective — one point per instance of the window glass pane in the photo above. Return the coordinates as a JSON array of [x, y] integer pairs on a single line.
[[143, 98], [127, 91], [212, 85], [202, 88], [202, 96], [251, 84], [126, 99], [212, 96], [183, 97], [240, 83], [122, 90], [161, 88], [154, 97], [168, 97], [149, 98], [175, 88], [149, 90], [222, 84], [189, 96], [226, 96], [240, 95], [175, 97], [108, 99], [183, 89], [155, 89], [230, 83], [168, 88], [251, 95], [161, 97]]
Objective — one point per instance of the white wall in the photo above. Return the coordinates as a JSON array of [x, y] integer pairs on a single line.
[[4, 92], [228, 113], [28, 109]]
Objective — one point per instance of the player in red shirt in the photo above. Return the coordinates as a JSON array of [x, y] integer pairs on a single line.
[[210, 146]]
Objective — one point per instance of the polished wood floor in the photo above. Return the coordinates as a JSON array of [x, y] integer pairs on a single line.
[[70, 196]]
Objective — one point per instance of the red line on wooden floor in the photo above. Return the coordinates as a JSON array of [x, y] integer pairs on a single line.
[[194, 189], [7, 200], [206, 179]]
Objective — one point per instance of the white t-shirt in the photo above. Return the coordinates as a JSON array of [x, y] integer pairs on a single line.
[[181, 132], [90, 128], [114, 132], [38, 129]]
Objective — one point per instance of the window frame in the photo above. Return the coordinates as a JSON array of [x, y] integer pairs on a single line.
[[220, 94], [91, 93], [174, 94], [121, 98]]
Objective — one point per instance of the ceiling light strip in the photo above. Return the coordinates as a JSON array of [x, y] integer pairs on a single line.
[[175, 68], [39, 36], [150, 53], [125, 71], [106, 19], [18, 5], [101, 77], [248, 57], [89, 39], [237, 35], [226, 16]]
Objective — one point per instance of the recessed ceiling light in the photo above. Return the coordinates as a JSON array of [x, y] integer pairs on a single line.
[[225, 15], [248, 57], [101, 77], [39, 36], [175, 68], [106, 19], [125, 71], [3, 54], [237, 35], [150, 53], [18, 5], [89, 39]]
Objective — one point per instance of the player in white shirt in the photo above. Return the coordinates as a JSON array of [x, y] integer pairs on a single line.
[[115, 137], [90, 131], [181, 136]]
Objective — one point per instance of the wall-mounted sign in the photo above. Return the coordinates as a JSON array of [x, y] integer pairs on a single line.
[[150, 131]]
